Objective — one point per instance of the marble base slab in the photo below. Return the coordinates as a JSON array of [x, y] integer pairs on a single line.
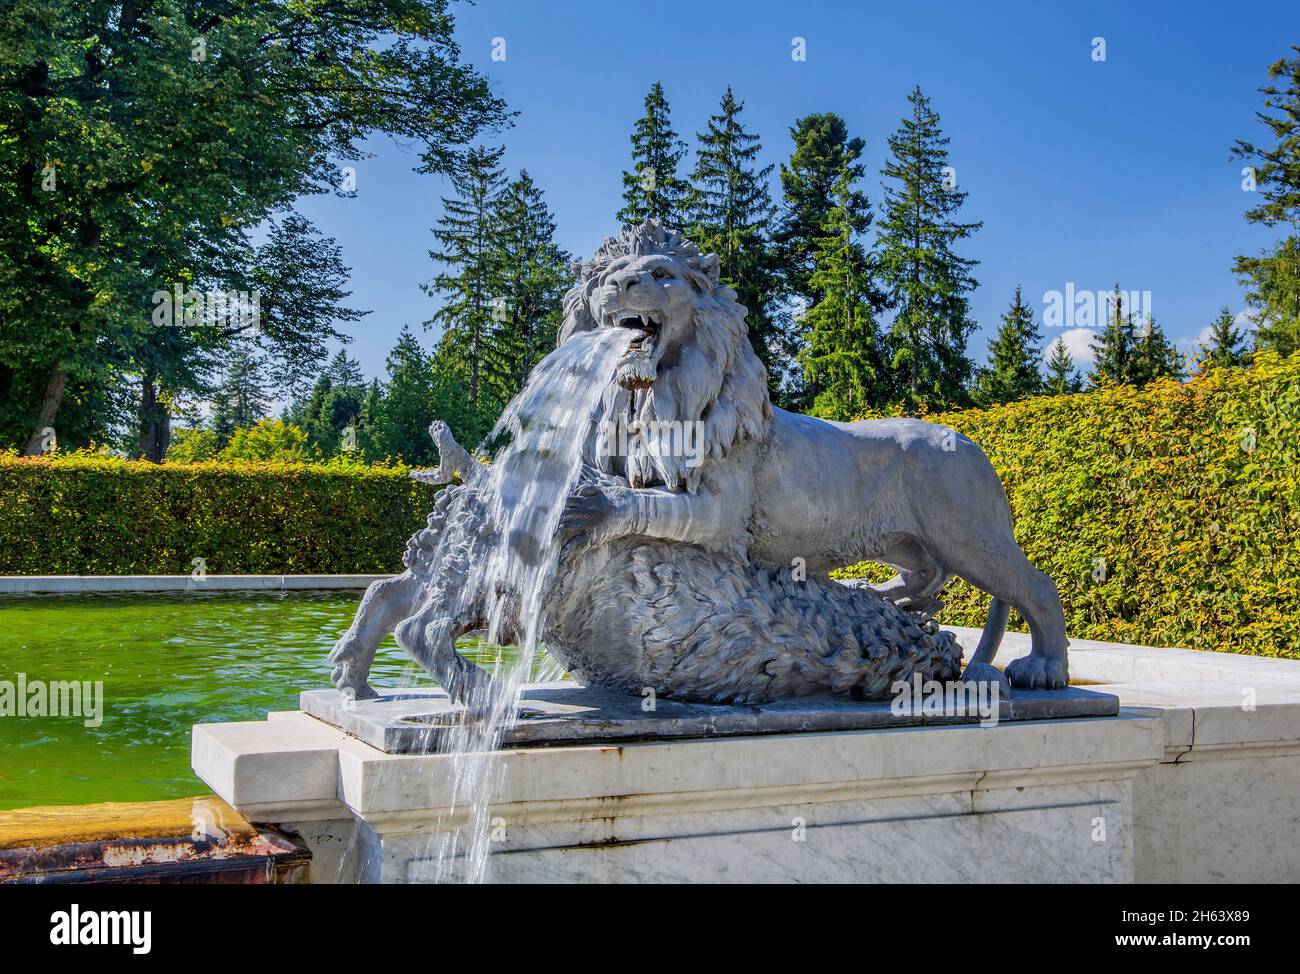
[[1197, 780], [417, 721]]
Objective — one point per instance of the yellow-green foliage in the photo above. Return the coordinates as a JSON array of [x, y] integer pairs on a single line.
[[94, 515], [1168, 516], [269, 439]]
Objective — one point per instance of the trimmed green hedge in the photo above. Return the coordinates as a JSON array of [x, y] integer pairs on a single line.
[[91, 515], [1168, 516]]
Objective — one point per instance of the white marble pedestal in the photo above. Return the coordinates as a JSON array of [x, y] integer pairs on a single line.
[[1035, 801], [1197, 779]]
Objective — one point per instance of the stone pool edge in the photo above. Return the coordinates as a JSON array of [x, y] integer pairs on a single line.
[[78, 584]]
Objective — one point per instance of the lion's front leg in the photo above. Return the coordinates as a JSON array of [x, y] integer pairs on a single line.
[[386, 603], [597, 513]]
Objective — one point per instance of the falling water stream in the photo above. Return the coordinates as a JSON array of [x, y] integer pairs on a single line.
[[545, 430]]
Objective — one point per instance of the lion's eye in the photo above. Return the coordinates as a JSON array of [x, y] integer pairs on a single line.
[[660, 274]]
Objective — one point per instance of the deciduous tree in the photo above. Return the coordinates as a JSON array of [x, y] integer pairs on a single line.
[[143, 143]]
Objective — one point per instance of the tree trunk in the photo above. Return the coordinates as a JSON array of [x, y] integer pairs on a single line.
[[50, 405], [155, 421]]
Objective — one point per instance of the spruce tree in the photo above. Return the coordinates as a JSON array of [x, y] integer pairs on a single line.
[[1012, 372], [1273, 278], [470, 421], [1154, 356], [469, 251], [408, 404], [305, 410], [1227, 347], [925, 281], [1062, 377], [532, 278], [841, 361], [240, 400], [346, 372], [370, 423], [730, 212], [1113, 349], [1274, 289], [652, 190], [335, 404], [822, 152]]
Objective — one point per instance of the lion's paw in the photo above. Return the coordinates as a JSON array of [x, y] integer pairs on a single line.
[[344, 650], [1037, 672], [352, 683], [990, 675], [587, 510]]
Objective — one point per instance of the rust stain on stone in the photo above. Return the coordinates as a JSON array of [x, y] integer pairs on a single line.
[[201, 840]]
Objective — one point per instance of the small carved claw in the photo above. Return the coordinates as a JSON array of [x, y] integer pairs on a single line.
[[349, 673], [930, 606], [1038, 672], [592, 504]]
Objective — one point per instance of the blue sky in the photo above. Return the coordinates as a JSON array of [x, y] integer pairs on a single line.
[[1082, 171]]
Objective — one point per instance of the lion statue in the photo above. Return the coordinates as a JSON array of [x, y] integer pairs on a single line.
[[696, 562], [784, 488]]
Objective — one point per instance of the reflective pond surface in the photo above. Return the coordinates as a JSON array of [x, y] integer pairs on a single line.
[[167, 661]]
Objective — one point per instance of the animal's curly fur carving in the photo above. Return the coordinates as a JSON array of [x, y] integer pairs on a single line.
[[709, 630], [676, 571]]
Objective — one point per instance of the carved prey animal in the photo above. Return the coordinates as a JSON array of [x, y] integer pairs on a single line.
[[779, 488]]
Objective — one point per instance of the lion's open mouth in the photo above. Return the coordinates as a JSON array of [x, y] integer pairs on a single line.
[[636, 369], [646, 322]]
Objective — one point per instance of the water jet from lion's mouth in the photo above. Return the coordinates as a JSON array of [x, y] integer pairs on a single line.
[[543, 433], [526, 546]]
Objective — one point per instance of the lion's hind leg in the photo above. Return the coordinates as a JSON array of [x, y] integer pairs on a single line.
[[386, 603], [919, 580], [999, 567]]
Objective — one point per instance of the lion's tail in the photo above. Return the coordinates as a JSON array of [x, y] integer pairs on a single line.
[[995, 628]]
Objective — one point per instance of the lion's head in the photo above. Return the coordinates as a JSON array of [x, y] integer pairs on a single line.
[[689, 364]]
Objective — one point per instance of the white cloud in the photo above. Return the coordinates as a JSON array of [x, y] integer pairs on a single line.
[[1195, 341], [1078, 342]]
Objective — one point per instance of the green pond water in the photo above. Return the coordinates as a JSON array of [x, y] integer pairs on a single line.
[[167, 661]]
